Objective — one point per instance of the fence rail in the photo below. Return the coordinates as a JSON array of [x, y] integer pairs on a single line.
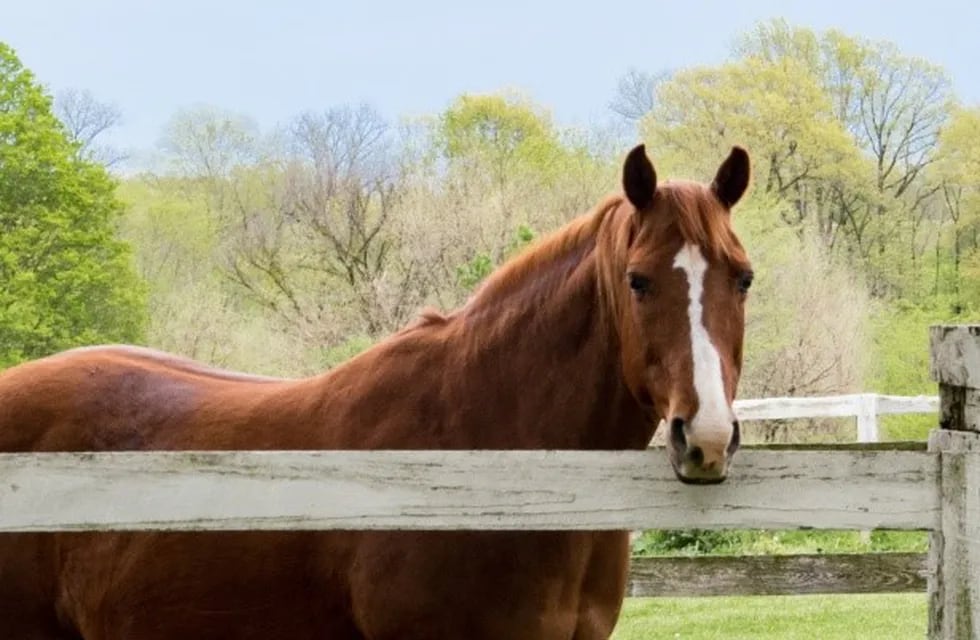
[[779, 575], [830, 489], [864, 407]]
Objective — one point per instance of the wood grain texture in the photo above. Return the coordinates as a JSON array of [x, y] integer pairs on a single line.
[[955, 592], [959, 408], [955, 355], [778, 575], [462, 490]]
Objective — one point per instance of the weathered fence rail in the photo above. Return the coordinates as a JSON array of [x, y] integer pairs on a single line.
[[843, 489], [851, 487], [779, 575]]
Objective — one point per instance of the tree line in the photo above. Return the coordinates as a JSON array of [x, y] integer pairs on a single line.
[[287, 250]]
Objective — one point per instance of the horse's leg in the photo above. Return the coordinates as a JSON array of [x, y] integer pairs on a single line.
[[473, 585], [204, 586], [27, 589], [604, 586]]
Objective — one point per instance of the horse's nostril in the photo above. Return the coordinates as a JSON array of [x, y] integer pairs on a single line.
[[677, 436], [696, 456]]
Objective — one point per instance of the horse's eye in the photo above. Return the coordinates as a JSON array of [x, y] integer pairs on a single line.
[[639, 283], [745, 281]]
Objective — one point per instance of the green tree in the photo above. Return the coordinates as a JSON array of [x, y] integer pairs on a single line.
[[801, 153], [507, 164], [957, 257], [894, 107], [65, 278], [506, 130]]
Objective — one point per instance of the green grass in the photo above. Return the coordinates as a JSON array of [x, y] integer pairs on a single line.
[[830, 617], [774, 542]]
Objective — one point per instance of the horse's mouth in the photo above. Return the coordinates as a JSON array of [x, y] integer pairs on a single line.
[[699, 481]]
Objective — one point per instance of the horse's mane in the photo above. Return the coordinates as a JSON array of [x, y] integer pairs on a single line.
[[699, 218], [570, 239]]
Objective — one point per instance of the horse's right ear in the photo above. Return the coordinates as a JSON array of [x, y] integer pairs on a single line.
[[639, 178]]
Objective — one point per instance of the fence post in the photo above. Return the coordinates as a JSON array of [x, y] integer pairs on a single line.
[[867, 417], [954, 587], [867, 426]]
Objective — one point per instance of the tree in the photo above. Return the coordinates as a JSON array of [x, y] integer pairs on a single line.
[[636, 94], [894, 106], [958, 172], [507, 165], [87, 121], [209, 142], [65, 278], [318, 220], [508, 133], [775, 108]]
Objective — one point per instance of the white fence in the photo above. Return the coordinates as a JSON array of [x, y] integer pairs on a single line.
[[865, 407]]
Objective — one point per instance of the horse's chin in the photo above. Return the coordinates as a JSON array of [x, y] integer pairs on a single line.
[[698, 481]]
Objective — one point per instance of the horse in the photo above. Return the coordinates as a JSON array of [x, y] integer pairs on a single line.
[[629, 315]]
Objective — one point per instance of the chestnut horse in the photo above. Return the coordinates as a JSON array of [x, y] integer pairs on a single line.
[[628, 315]]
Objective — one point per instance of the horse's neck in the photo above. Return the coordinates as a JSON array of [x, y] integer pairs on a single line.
[[548, 368], [533, 363]]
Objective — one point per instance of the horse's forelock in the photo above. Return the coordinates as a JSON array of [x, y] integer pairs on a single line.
[[702, 220]]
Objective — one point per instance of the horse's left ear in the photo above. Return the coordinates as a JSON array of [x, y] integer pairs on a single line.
[[732, 177]]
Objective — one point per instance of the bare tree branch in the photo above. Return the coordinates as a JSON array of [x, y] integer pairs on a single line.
[[636, 93], [87, 121]]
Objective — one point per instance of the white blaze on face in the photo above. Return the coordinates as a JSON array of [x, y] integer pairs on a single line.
[[713, 420]]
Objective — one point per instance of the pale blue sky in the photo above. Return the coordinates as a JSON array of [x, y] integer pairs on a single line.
[[271, 60]]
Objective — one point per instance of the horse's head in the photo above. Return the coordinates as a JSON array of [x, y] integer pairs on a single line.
[[682, 309]]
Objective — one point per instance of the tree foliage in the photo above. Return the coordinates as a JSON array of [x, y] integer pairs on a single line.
[[307, 242], [65, 278]]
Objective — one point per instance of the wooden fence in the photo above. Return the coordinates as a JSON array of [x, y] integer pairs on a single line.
[[848, 487], [797, 573]]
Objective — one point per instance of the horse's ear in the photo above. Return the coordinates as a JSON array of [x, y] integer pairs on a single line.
[[639, 178], [732, 177]]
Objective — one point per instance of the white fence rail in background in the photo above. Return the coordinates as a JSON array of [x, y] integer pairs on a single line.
[[865, 407]]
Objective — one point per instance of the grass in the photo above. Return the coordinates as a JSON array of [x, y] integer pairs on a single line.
[[826, 617], [773, 542], [829, 617]]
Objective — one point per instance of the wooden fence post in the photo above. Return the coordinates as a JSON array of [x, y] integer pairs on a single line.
[[954, 590]]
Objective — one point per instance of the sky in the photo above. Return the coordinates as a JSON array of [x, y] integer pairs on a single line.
[[272, 60]]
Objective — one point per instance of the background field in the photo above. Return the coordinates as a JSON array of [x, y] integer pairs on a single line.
[[850, 617]]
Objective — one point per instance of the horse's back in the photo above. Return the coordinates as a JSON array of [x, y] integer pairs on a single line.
[[115, 398]]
